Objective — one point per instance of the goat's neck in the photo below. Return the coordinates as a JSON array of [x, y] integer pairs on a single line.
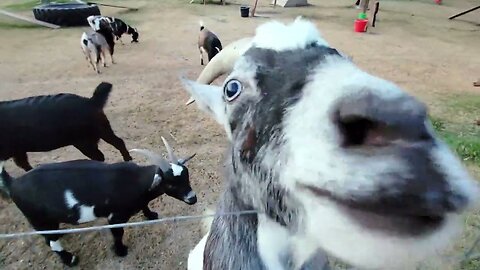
[[250, 241]]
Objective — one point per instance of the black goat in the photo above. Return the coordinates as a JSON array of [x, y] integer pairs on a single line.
[[45, 123], [81, 191]]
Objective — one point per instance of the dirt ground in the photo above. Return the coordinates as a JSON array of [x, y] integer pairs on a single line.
[[414, 45]]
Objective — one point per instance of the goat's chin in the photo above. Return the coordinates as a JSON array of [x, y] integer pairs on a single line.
[[340, 236]]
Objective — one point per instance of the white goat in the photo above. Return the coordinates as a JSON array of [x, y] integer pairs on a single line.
[[96, 44], [337, 162]]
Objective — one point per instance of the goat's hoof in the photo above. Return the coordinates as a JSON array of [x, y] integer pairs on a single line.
[[69, 260], [121, 251], [151, 216]]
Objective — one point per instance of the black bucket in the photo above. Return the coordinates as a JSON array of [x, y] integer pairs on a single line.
[[244, 11]]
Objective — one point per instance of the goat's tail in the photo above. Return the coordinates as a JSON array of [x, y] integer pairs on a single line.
[[5, 179], [201, 25], [100, 96]]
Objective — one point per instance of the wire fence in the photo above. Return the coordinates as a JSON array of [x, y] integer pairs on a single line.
[[469, 255]]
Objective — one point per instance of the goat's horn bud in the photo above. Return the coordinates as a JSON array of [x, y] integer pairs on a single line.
[[190, 101], [171, 155]]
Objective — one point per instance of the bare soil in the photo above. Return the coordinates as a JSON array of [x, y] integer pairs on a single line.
[[414, 45]]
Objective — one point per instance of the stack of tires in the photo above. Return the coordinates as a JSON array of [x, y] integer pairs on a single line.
[[69, 14]]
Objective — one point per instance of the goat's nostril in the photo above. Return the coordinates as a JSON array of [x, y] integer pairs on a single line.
[[456, 202], [441, 202], [358, 131]]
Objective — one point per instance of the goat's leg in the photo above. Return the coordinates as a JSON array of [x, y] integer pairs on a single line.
[[88, 57], [98, 56], [120, 249], [111, 56], [21, 160], [90, 150], [201, 55], [149, 214], [53, 240], [107, 134], [121, 41], [104, 58]]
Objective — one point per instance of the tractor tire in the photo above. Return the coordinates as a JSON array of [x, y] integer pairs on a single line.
[[69, 14]]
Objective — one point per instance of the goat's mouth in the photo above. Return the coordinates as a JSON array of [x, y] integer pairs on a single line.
[[375, 216]]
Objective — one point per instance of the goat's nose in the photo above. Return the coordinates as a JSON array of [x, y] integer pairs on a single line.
[[439, 202], [372, 120]]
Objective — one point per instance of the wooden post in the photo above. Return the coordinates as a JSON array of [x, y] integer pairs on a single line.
[[374, 10], [254, 8], [364, 5]]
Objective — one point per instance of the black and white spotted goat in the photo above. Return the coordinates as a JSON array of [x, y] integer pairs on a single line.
[[336, 161], [81, 191], [45, 123], [115, 25]]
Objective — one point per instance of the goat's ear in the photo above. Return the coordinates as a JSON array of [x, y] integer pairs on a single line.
[[208, 98], [183, 161]]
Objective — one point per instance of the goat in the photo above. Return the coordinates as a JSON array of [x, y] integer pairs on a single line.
[[117, 26], [335, 160], [96, 44], [208, 43], [45, 123], [222, 63], [81, 191]]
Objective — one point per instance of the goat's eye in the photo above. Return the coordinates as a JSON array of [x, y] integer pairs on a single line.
[[232, 90]]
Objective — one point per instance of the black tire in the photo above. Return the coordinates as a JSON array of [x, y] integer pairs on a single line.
[[69, 14]]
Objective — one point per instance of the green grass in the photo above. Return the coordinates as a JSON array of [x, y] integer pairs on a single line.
[[454, 121], [12, 25], [27, 5], [455, 124], [465, 141]]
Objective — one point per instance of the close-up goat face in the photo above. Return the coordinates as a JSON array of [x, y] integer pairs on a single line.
[[343, 158]]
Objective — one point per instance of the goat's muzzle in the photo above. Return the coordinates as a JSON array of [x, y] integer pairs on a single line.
[[190, 198]]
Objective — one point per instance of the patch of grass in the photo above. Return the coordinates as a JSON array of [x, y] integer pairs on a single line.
[[5, 25], [465, 142], [27, 5]]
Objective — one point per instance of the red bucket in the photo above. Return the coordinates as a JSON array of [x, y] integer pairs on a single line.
[[360, 25]]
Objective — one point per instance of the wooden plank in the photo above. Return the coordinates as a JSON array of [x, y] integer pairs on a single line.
[[115, 6], [463, 13], [477, 83], [34, 21]]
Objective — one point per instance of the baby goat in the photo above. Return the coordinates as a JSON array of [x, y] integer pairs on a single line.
[[45, 123], [117, 26], [208, 43], [96, 43], [62, 193]]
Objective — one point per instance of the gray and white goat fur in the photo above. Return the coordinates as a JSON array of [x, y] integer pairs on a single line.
[[81, 191], [335, 160], [208, 43], [96, 44]]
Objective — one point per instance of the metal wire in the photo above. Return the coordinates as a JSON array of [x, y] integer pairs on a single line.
[[122, 225]]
